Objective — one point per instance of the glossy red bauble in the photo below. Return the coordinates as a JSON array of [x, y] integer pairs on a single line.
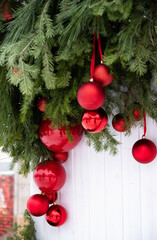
[[49, 176], [102, 75], [62, 157], [52, 197], [57, 140], [56, 215], [37, 205], [144, 151], [91, 95], [118, 123], [41, 104], [138, 114], [94, 121]]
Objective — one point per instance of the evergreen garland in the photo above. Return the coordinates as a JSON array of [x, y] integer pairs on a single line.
[[27, 232], [46, 51]]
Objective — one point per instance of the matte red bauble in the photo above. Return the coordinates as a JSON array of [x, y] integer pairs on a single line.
[[94, 121], [41, 104], [52, 197], [118, 123], [56, 215], [37, 205], [57, 140], [144, 151], [62, 157], [91, 95], [102, 75], [49, 176]]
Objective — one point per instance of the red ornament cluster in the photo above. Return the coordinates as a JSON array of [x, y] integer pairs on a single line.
[[50, 177]]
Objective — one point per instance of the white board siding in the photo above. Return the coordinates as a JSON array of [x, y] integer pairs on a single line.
[[106, 197]]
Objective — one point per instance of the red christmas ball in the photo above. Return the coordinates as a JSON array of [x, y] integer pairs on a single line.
[[118, 123], [6, 15], [144, 151], [94, 121], [62, 157], [37, 205], [56, 215], [102, 75], [91, 95], [52, 197], [57, 140], [138, 112], [49, 176], [41, 104]]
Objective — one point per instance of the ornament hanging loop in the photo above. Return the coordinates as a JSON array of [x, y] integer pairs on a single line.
[[145, 127]]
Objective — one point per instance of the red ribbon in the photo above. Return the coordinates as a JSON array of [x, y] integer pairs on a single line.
[[93, 57], [100, 50], [145, 127]]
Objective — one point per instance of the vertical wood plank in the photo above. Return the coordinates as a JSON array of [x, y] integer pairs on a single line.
[[114, 215]]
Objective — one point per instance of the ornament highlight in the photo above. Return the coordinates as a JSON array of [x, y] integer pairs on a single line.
[[144, 151], [102, 75], [52, 197], [41, 104], [62, 157], [37, 205], [56, 215], [49, 176], [118, 123], [91, 96], [57, 140], [94, 121]]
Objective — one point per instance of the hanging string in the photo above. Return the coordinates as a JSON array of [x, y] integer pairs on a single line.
[[145, 127], [100, 50], [93, 57]]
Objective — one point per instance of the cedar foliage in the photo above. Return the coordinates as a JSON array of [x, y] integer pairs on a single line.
[[46, 51]]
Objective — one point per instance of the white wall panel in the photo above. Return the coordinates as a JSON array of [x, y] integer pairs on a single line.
[[106, 197]]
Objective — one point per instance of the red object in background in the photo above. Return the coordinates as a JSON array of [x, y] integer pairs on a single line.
[[94, 121], [6, 15], [49, 176], [56, 215], [37, 205], [144, 151], [62, 157], [138, 114], [102, 75], [57, 140], [52, 197], [118, 123], [91, 95], [41, 104], [6, 203]]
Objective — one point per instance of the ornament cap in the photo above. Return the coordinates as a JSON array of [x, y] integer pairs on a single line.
[[143, 137], [91, 80]]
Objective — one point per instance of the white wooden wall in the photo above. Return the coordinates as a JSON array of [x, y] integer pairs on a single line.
[[106, 197]]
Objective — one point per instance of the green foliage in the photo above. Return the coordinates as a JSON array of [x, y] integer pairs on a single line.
[[27, 232], [46, 51]]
